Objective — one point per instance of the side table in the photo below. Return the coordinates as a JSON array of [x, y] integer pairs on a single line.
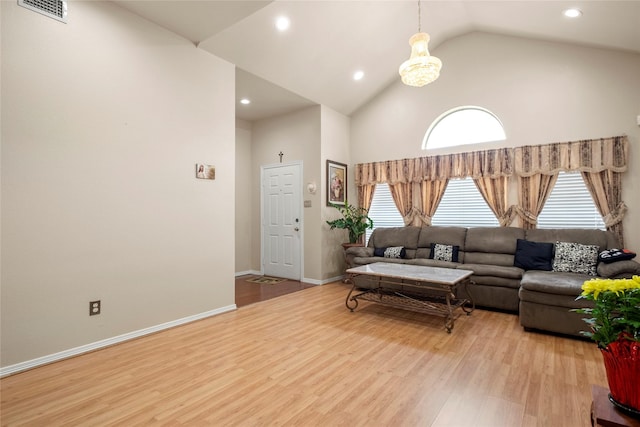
[[604, 414]]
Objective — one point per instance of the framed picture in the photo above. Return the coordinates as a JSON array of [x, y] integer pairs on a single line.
[[336, 183], [205, 171]]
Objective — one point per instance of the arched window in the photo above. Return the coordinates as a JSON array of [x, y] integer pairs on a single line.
[[462, 126]]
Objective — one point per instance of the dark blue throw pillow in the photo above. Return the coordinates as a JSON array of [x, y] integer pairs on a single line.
[[379, 251], [533, 255]]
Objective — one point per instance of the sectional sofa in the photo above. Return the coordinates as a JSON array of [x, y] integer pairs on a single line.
[[535, 273]]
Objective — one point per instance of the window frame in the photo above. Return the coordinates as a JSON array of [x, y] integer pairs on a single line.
[[449, 113]]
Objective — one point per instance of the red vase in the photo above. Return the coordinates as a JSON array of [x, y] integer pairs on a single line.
[[622, 363]]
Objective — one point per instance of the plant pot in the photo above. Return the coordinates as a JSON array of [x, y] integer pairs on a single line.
[[622, 363]]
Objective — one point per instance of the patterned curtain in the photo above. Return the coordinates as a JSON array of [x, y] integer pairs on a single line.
[[605, 188], [365, 196], [402, 193], [594, 155], [533, 192], [417, 185], [431, 193], [601, 161], [495, 191], [489, 163]]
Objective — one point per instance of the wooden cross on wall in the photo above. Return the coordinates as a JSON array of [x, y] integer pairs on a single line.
[[281, 154]]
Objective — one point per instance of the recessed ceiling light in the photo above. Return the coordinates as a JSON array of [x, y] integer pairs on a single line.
[[245, 101], [358, 75], [283, 23], [572, 13]]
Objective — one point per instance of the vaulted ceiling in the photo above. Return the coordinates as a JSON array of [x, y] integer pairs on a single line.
[[313, 62]]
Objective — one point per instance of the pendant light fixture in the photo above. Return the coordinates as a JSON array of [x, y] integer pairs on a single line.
[[421, 68]]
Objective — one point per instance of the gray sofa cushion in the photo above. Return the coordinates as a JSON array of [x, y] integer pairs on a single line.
[[494, 270], [495, 282], [585, 237], [492, 245], [491, 259], [370, 260], [619, 269], [433, 263], [493, 239], [395, 236], [444, 235], [567, 301], [552, 282]]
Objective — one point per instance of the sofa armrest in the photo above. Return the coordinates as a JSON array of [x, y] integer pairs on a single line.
[[360, 251], [357, 251], [619, 269]]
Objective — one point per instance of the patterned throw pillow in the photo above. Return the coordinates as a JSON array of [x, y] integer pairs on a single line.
[[444, 252], [613, 255], [576, 258], [395, 252]]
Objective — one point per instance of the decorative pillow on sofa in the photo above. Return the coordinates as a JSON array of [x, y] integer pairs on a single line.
[[613, 255], [395, 252], [379, 251], [576, 258], [444, 252], [533, 255]]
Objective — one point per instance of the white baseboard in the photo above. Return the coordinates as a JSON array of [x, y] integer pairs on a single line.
[[30, 364], [248, 272], [304, 279], [322, 282]]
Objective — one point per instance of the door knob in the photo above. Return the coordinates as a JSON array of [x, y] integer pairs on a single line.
[[296, 229]]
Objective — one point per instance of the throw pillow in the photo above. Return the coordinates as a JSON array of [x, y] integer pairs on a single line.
[[379, 251], [613, 255], [444, 252], [395, 252], [533, 255], [576, 258]]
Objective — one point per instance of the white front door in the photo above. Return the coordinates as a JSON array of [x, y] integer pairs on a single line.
[[281, 221]]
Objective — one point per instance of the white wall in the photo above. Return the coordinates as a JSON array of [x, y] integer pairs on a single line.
[[297, 135], [335, 146], [244, 233], [103, 120], [543, 92]]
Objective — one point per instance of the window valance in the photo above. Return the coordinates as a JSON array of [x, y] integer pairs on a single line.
[[593, 155], [477, 164]]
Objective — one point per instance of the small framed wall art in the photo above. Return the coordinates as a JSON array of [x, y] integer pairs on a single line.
[[205, 171], [336, 183]]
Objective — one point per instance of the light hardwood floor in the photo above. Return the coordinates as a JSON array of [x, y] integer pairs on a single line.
[[304, 359]]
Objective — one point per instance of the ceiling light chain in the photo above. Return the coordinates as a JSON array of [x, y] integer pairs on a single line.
[[421, 68]]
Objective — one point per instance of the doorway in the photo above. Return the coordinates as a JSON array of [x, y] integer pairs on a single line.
[[282, 229]]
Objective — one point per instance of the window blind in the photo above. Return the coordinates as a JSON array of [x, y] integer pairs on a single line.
[[462, 205], [383, 210], [570, 205]]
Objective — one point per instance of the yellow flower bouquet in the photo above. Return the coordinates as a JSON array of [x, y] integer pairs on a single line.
[[616, 313], [615, 326]]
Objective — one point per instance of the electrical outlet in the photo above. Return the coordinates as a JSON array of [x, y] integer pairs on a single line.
[[94, 308]]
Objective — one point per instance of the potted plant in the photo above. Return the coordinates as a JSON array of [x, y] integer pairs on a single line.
[[354, 219], [615, 327]]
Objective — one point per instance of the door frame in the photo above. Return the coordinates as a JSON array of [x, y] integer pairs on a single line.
[[300, 166]]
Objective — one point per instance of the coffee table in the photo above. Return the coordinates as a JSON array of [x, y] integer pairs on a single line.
[[404, 286]]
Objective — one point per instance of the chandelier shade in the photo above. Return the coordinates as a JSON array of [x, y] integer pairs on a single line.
[[421, 68]]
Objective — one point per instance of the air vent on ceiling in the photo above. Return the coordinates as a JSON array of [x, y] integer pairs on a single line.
[[56, 9]]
